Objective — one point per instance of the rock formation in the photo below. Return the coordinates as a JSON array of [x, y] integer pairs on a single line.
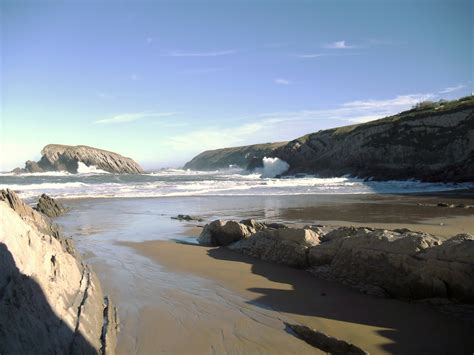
[[325, 342], [224, 232], [398, 263], [50, 302], [287, 246], [431, 144], [49, 206], [56, 157], [187, 218], [245, 157]]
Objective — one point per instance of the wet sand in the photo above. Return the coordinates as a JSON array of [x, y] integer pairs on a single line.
[[187, 299], [377, 325]]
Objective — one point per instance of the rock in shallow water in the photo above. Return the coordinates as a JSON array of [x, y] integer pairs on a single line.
[[49, 206]]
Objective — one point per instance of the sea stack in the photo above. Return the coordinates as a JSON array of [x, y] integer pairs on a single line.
[[58, 157]]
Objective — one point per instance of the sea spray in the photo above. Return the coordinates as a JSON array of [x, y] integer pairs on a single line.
[[273, 167], [84, 169]]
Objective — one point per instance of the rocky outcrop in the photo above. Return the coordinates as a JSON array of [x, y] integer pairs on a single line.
[[325, 342], [288, 246], [50, 302], [187, 218], [224, 232], [435, 143], [49, 206], [397, 263], [57, 157], [245, 157], [401, 263], [221, 233]]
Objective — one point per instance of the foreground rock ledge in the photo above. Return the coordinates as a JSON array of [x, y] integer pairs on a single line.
[[50, 302], [397, 263]]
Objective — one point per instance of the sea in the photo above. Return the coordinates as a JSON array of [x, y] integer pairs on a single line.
[[91, 182]]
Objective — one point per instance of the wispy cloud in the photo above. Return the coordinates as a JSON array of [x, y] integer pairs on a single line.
[[320, 55], [338, 45], [104, 95], [271, 126], [134, 76], [202, 54], [130, 117], [312, 55], [201, 70], [213, 137], [277, 44], [149, 40], [281, 81], [452, 89]]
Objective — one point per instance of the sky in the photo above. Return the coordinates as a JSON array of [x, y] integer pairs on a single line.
[[161, 81]]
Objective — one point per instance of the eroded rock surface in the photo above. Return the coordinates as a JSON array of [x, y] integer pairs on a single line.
[[433, 144], [58, 157], [224, 233], [50, 302], [325, 342], [397, 263], [246, 157], [49, 206], [288, 246], [402, 263]]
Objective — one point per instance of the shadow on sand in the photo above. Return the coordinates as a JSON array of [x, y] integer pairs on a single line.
[[410, 328], [27, 323]]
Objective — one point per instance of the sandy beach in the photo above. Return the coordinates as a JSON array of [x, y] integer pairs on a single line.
[[181, 298]]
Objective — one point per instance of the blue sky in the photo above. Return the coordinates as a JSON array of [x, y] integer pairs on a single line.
[[160, 81]]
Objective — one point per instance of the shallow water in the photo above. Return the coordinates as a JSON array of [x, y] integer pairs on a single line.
[[163, 310], [160, 310]]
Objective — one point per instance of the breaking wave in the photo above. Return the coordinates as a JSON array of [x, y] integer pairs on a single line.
[[84, 169], [223, 183], [273, 167]]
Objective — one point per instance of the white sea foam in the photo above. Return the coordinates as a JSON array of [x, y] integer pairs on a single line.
[[273, 167], [84, 185], [46, 173], [91, 169]]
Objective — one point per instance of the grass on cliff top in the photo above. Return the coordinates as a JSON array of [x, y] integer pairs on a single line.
[[423, 109]]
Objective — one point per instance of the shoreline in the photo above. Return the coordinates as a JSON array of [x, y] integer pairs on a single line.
[[377, 325], [120, 232]]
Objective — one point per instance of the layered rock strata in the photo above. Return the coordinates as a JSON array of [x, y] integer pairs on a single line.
[[397, 263], [58, 157], [50, 301]]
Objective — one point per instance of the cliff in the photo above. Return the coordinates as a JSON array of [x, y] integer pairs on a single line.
[[248, 156], [434, 142], [57, 157], [50, 302]]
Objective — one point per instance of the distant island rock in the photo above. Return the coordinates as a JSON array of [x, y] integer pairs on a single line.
[[245, 157], [434, 141], [58, 157]]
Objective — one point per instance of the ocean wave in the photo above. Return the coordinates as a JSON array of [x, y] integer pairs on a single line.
[[91, 169], [46, 173], [216, 185]]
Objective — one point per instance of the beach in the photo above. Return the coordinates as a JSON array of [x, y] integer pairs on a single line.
[[175, 296]]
